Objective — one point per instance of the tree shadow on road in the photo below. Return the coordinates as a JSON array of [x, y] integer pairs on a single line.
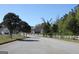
[[3, 52], [28, 40]]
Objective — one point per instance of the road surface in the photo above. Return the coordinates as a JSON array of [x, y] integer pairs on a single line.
[[40, 45]]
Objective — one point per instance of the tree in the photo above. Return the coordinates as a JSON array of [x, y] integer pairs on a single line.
[[74, 27], [11, 21], [69, 23], [55, 28], [46, 27], [24, 27]]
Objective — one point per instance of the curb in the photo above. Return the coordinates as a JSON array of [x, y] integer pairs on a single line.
[[8, 42]]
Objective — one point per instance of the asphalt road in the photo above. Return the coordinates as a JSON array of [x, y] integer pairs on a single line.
[[40, 45]]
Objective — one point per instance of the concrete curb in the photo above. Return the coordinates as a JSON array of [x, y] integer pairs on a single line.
[[11, 41], [8, 42]]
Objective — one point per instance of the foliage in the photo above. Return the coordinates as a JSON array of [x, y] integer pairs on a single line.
[[47, 27], [66, 25], [15, 24], [24, 27]]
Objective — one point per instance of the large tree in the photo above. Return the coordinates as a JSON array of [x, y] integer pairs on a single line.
[[15, 24], [11, 21], [69, 23]]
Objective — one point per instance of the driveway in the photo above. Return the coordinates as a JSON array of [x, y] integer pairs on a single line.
[[40, 45]]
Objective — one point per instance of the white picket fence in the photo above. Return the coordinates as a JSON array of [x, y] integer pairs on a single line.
[[66, 37]]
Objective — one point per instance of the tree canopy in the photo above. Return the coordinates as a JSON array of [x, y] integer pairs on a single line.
[[15, 24], [68, 24]]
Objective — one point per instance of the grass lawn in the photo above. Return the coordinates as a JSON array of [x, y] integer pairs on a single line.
[[6, 38]]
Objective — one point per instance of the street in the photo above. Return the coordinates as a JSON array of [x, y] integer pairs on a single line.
[[40, 45]]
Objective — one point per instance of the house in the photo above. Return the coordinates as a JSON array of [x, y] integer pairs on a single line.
[[32, 29], [36, 29], [3, 30]]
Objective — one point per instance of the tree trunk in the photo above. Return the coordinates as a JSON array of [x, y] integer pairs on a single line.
[[11, 34]]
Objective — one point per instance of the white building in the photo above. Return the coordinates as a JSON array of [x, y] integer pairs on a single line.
[[4, 31]]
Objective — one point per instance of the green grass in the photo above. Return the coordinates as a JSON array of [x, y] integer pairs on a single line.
[[6, 38]]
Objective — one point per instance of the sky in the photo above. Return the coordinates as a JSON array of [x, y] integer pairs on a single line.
[[32, 13]]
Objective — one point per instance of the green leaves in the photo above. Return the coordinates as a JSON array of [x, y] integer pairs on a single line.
[[24, 27], [15, 24], [69, 23], [66, 25]]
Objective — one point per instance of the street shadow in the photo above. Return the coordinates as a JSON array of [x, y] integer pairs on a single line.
[[27, 37], [3, 52], [28, 40]]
